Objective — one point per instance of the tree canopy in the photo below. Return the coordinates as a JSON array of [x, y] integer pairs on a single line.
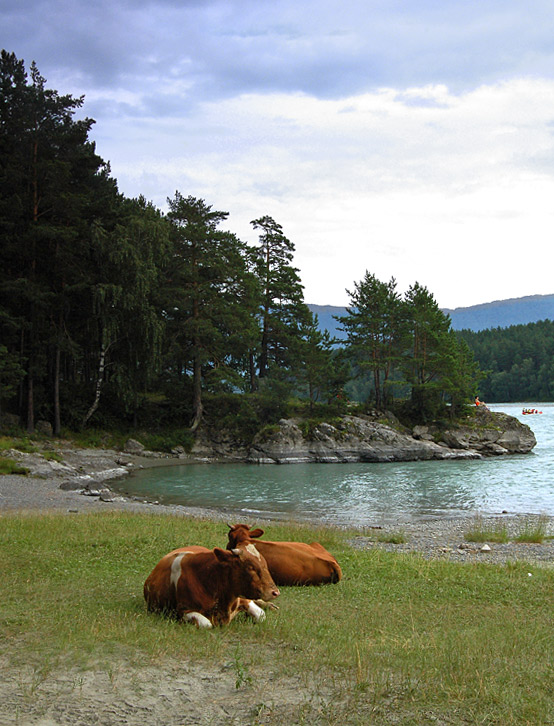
[[407, 344], [108, 304]]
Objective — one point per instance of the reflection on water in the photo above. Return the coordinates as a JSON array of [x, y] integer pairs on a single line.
[[367, 493]]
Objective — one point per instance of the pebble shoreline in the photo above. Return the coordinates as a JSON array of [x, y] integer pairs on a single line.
[[444, 538]]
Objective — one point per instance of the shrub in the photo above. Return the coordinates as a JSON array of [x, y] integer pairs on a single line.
[[9, 466], [167, 440]]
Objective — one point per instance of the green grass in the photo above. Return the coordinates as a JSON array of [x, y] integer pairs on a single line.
[[20, 443], [533, 531], [9, 466], [480, 532], [97, 438], [427, 641]]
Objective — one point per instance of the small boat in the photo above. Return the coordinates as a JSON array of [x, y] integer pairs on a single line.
[[527, 411]]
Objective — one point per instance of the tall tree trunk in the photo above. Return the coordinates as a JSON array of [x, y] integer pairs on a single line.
[[252, 371], [377, 386], [99, 383], [264, 346], [311, 395], [197, 407], [22, 383], [32, 317], [57, 416], [30, 405], [265, 324]]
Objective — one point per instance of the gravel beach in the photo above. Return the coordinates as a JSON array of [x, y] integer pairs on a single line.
[[80, 483]]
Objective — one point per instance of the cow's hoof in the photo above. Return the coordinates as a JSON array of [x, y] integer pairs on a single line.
[[256, 612], [201, 621]]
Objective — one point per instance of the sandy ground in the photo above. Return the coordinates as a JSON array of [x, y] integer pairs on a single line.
[[172, 694], [177, 694]]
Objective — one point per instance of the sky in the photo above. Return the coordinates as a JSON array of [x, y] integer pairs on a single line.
[[411, 139]]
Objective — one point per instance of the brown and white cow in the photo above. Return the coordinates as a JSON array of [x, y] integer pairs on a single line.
[[209, 587], [290, 563]]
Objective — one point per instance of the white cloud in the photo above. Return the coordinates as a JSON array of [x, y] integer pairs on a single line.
[[411, 139], [447, 192]]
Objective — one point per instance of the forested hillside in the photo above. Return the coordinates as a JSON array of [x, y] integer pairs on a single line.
[[518, 361], [114, 313]]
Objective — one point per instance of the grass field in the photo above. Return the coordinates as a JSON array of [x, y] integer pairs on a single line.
[[427, 641]]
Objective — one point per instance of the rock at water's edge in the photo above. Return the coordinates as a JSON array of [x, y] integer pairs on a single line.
[[361, 438]]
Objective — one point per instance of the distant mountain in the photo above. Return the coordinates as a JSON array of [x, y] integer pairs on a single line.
[[497, 314], [503, 313]]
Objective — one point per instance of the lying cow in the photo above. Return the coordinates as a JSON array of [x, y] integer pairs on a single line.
[[209, 587], [290, 563]]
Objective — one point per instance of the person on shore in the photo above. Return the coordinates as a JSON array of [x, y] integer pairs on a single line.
[[480, 403]]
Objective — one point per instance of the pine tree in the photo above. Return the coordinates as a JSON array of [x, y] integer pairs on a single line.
[[212, 309], [373, 325], [320, 370], [126, 323], [282, 308], [47, 162], [436, 365]]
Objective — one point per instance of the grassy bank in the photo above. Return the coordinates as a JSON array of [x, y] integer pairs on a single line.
[[421, 640]]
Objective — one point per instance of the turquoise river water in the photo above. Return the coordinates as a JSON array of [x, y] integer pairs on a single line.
[[365, 494]]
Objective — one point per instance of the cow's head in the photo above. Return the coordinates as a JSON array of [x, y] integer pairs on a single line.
[[239, 533], [251, 578]]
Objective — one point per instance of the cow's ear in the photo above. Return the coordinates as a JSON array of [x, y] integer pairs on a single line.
[[223, 555], [256, 532]]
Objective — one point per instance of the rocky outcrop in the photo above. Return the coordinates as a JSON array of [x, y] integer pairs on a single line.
[[362, 438], [217, 445], [352, 439], [85, 470], [486, 432]]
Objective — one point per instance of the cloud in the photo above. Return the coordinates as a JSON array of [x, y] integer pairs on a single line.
[[317, 47], [410, 139], [461, 183]]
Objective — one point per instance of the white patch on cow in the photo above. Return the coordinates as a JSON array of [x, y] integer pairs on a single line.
[[256, 612], [253, 551], [176, 568], [201, 621]]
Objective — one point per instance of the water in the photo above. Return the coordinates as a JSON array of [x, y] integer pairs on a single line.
[[365, 494]]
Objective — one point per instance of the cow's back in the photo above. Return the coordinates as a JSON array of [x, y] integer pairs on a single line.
[[298, 563]]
